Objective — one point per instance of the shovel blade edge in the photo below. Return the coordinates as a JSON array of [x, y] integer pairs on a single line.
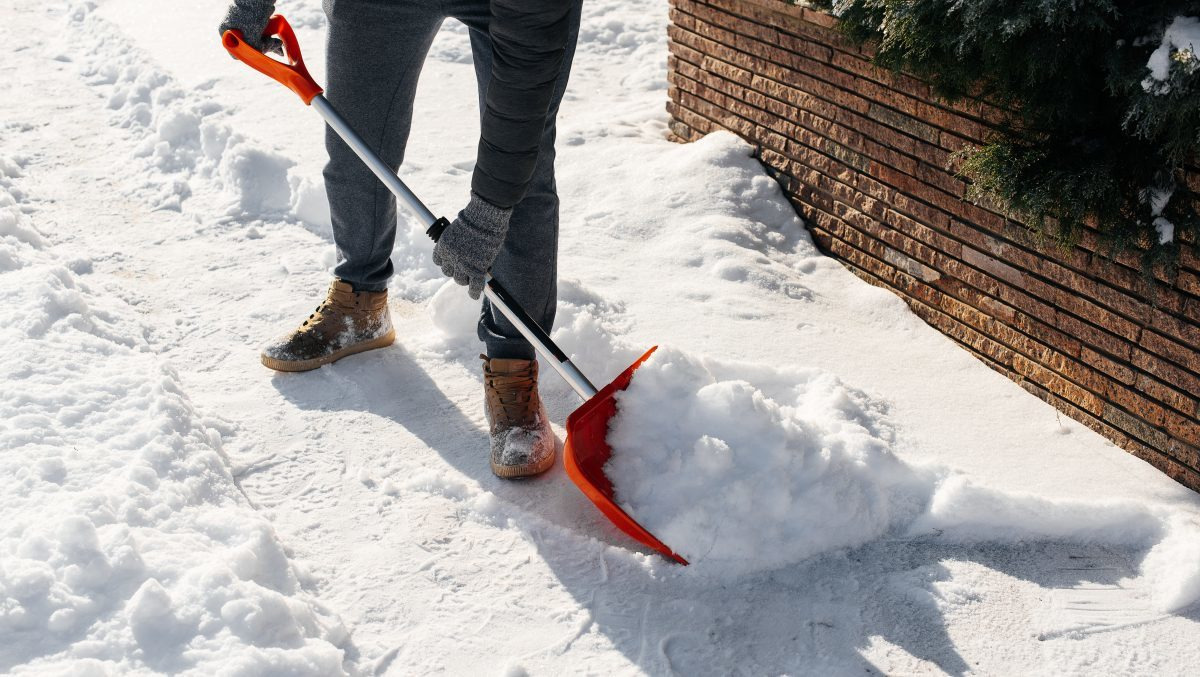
[[586, 451]]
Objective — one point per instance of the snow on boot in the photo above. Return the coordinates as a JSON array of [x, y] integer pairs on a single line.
[[348, 322], [522, 442]]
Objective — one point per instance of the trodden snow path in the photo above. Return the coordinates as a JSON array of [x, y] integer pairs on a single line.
[[184, 187]]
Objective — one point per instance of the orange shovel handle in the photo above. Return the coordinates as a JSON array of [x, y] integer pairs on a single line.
[[292, 75]]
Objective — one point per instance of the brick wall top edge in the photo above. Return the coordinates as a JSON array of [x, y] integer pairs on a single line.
[[796, 9]]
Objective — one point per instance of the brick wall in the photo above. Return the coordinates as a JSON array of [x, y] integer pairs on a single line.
[[865, 153]]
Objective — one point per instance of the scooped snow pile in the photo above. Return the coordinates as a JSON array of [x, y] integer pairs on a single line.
[[742, 468], [741, 477], [126, 546]]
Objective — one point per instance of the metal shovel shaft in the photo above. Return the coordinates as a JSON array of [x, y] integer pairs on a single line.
[[495, 293], [377, 165]]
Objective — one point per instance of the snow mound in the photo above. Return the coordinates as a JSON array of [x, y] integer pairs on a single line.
[[729, 225], [310, 204], [1173, 565], [962, 512], [967, 513], [126, 545], [454, 312], [416, 279], [16, 233], [743, 468], [181, 136], [739, 477], [256, 180]]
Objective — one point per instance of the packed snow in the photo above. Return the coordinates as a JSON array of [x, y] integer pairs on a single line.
[[171, 507], [127, 545]]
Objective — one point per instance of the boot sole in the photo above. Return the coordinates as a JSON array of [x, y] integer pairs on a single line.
[[517, 472], [317, 362]]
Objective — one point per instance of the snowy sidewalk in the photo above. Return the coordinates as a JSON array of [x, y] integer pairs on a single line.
[[181, 197]]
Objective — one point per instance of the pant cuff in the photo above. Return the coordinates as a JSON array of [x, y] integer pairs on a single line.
[[510, 350]]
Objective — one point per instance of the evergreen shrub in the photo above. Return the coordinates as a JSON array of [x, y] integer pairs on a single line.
[[1102, 101]]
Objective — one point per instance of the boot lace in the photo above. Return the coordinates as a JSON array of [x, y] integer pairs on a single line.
[[334, 300], [513, 390]]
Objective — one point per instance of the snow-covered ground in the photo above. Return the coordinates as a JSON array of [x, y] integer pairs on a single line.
[[861, 495]]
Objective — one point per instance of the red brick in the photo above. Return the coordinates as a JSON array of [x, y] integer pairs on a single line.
[[1183, 356], [1121, 372], [846, 137], [1167, 395], [1088, 334], [1139, 406], [1081, 398], [819, 18], [1165, 371], [1192, 310], [1186, 428], [1189, 282], [1189, 260]]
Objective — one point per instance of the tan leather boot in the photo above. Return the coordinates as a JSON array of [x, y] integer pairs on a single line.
[[348, 322], [522, 441]]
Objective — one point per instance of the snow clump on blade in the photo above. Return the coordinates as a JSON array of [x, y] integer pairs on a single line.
[[737, 477]]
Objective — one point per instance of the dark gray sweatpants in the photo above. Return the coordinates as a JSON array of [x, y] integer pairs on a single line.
[[375, 54]]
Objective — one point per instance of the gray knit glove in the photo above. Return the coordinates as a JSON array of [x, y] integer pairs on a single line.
[[470, 244], [250, 17]]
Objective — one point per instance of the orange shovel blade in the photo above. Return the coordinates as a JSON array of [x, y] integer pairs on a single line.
[[586, 451]]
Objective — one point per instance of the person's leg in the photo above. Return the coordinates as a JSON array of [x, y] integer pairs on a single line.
[[527, 264], [375, 52]]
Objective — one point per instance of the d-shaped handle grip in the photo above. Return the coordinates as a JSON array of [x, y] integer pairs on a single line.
[[292, 75]]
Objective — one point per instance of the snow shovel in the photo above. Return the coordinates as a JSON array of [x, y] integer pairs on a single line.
[[586, 449]]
